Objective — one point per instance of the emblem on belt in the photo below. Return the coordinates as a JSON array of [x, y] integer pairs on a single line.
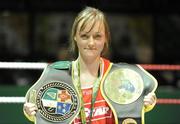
[[123, 86], [57, 101]]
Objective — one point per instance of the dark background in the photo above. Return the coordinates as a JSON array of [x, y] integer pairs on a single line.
[[143, 31]]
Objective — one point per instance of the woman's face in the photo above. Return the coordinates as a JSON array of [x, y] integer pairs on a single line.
[[91, 40]]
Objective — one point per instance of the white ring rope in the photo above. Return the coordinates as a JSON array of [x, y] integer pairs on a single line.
[[38, 65], [22, 65], [19, 65], [12, 99]]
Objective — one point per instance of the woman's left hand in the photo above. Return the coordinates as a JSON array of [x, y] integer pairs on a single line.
[[150, 99]]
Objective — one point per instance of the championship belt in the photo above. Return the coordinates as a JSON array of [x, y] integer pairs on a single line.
[[55, 95], [124, 88]]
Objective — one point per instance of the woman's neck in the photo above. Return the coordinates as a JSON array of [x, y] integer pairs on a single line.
[[88, 70], [91, 67]]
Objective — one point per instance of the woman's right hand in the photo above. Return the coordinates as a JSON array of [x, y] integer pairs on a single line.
[[30, 108]]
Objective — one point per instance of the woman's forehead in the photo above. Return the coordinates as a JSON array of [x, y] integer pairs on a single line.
[[88, 26]]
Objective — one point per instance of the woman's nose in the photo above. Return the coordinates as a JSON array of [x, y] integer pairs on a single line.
[[91, 41]]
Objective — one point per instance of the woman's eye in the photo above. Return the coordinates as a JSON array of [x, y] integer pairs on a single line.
[[98, 36], [84, 36]]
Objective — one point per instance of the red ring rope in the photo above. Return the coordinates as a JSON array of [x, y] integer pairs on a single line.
[[160, 67], [168, 101]]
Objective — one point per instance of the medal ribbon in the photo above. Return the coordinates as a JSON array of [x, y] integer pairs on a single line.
[[78, 88]]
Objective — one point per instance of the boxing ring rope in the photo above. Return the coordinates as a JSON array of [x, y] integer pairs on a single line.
[[17, 99], [12, 99], [36, 65], [22, 65]]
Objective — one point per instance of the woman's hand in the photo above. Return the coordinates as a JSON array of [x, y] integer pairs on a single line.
[[150, 99], [30, 108]]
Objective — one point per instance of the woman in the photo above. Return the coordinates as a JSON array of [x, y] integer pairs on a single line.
[[90, 37]]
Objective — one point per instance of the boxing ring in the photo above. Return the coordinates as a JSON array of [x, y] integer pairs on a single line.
[[40, 66]]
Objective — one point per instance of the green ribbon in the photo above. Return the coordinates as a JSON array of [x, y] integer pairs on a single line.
[[78, 87]]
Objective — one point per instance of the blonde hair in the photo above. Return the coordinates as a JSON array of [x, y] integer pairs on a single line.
[[87, 15]]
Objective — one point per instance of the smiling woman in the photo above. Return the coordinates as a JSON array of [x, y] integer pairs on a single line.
[[91, 24], [90, 41], [88, 101]]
